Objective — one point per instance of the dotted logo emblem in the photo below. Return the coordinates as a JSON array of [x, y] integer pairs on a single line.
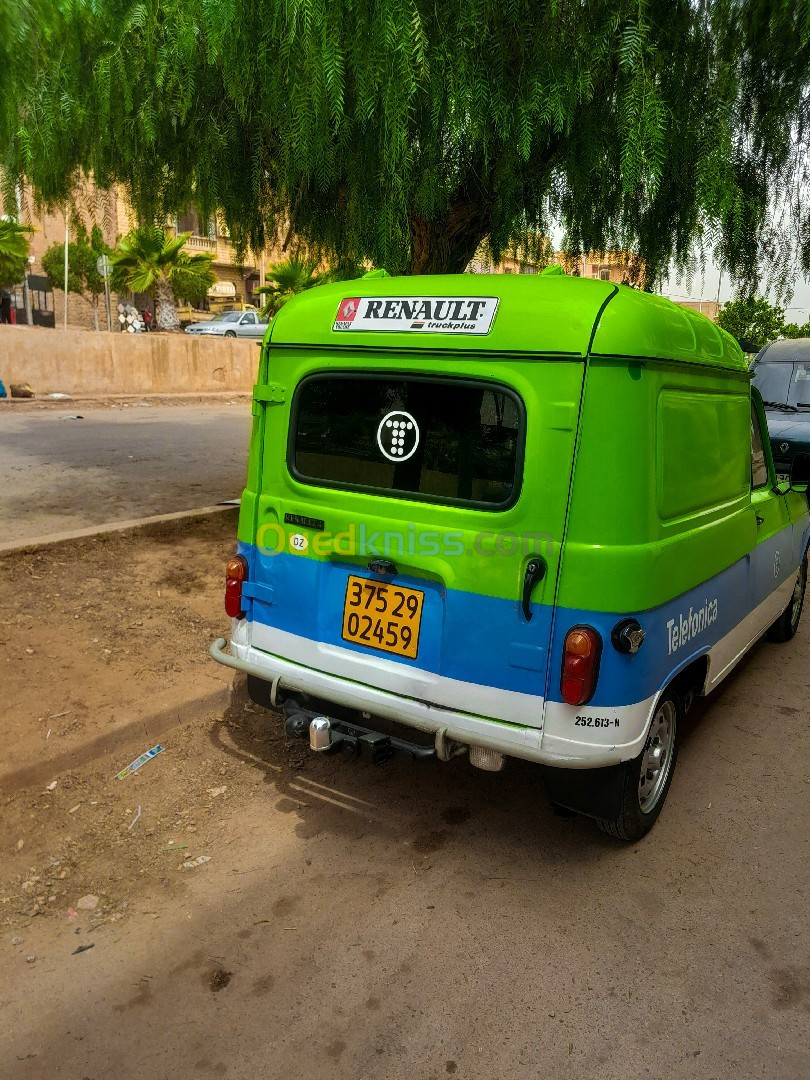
[[398, 436]]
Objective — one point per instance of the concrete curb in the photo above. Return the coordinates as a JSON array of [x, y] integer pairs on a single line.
[[201, 397], [135, 734], [37, 542]]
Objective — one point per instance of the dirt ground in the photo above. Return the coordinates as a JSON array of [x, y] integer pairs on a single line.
[[261, 912]]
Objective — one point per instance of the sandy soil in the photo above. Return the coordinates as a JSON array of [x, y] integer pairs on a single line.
[[401, 922]]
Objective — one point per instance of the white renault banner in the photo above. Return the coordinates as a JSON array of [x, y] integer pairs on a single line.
[[418, 314]]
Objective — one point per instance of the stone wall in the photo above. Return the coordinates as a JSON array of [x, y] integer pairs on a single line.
[[80, 362]]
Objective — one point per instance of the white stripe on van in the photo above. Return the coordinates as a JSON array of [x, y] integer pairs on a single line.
[[401, 679]]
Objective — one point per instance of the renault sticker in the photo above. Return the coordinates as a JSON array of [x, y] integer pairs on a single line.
[[417, 314]]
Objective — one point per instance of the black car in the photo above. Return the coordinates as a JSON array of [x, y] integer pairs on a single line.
[[782, 376]]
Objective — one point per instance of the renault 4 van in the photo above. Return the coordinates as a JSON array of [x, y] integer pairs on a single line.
[[525, 516]]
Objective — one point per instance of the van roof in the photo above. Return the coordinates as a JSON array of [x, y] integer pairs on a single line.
[[549, 314]]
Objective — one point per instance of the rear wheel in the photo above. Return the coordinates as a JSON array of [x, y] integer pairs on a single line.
[[787, 624], [647, 778]]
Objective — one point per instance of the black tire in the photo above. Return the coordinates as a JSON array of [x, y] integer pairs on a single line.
[[229, 333], [638, 814], [787, 624]]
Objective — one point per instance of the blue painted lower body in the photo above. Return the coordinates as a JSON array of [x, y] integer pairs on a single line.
[[486, 640]]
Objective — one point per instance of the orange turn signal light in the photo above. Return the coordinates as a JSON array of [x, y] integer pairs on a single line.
[[236, 572], [580, 667]]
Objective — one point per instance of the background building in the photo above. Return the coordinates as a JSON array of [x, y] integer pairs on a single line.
[[235, 281], [93, 207], [709, 308], [619, 267], [110, 210]]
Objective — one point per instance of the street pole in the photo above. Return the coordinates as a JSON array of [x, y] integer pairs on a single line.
[[107, 301], [104, 269], [67, 241], [29, 318]]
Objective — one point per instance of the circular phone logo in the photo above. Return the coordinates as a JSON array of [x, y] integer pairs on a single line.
[[398, 435]]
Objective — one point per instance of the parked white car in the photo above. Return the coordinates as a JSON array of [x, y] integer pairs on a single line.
[[231, 324]]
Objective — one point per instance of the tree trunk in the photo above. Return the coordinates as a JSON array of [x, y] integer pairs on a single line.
[[94, 306], [446, 244], [167, 317]]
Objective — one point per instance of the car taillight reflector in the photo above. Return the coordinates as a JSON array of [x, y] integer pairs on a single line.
[[236, 572], [580, 669]]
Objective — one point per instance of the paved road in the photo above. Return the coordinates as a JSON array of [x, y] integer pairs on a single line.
[[116, 464]]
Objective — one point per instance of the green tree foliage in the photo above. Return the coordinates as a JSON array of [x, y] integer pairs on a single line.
[[284, 280], [796, 330], [152, 260], [14, 249], [83, 276], [294, 275], [404, 132], [753, 321]]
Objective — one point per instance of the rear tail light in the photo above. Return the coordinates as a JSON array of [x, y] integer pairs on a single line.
[[580, 670], [236, 573]]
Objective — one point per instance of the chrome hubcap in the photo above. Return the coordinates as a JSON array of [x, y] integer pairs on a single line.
[[657, 758]]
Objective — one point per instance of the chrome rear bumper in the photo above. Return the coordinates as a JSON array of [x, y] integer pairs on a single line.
[[448, 727]]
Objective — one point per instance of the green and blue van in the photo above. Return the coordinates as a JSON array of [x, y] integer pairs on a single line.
[[508, 516]]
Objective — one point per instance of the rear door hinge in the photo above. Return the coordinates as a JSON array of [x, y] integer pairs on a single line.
[[267, 394]]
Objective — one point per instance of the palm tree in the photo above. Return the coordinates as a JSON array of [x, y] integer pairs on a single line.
[[13, 252], [152, 260], [285, 280], [292, 276]]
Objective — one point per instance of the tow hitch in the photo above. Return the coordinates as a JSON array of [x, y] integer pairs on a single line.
[[330, 736]]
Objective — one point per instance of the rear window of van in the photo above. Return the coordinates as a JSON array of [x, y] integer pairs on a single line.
[[425, 438]]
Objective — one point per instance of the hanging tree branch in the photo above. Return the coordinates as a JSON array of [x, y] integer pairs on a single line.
[[410, 130]]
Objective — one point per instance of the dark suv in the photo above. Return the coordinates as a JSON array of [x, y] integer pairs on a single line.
[[782, 376]]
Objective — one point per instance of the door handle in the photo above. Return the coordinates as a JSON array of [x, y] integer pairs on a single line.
[[535, 572], [760, 521]]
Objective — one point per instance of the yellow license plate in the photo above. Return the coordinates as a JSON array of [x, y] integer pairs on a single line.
[[385, 617]]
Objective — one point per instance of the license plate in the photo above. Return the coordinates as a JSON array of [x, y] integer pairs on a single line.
[[384, 617]]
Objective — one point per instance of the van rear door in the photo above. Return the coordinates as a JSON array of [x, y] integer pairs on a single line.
[[409, 524]]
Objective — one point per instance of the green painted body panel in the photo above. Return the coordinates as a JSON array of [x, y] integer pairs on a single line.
[[622, 553], [598, 367], [644, 325], [535, 315], [551, 393], [538, 313]]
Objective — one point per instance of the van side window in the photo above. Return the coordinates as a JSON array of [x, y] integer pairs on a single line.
[[759, 464], [697, 469]]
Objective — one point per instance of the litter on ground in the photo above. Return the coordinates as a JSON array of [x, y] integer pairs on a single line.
[[139, 761]]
